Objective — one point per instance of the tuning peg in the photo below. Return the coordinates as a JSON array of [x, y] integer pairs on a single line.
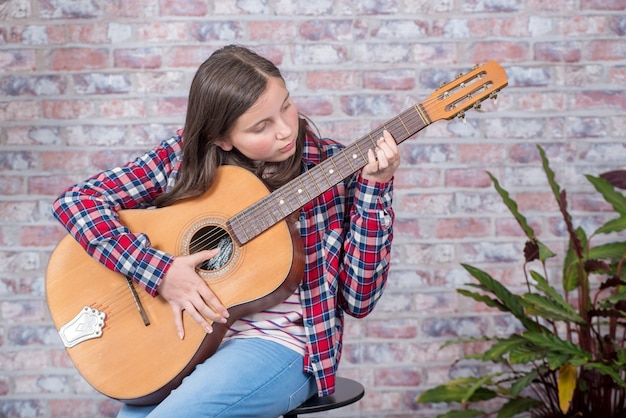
[[442, 84], [462, 116], [459, 75], [478, 107], [494, 96]]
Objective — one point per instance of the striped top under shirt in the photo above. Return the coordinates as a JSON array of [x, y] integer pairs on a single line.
[[281, 323]]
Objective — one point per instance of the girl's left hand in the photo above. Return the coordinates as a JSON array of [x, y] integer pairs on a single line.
[[383, 160]]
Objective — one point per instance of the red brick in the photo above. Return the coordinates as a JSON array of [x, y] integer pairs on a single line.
[[144, 58], [468, 177], [427, 203], [509, 227], [558, 52], [94, 33], [68, 109], [601, 100], [396, 328], [500, 51], [326, 30], [163, 31], [24, 311], [398, 376], [606, 50], [73, 408], [389, 80], [618, 5], [187, 56], [20, 111], [481, 153], [314, 105], [515, 27], [117, 109], [332, 80], [410, 177], [583, 25], [183, 7], [11, 185], [24, 360], [535, 201], [169, 106], [75, 59], [40, 236], [463, 227], [22, 60], [272, 30]]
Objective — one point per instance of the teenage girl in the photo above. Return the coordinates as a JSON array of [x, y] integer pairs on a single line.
[[240, 113]]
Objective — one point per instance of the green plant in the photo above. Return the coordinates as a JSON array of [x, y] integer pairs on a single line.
[[570, 358]]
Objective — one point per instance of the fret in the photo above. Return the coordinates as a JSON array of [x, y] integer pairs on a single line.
[[299, 192], [403, 125], [347, 158]]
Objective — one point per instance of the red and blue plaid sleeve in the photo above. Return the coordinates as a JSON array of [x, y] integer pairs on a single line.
[[367, 247], [88, 210]]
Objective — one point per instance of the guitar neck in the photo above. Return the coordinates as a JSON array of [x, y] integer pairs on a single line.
[[450, 100], [285, 200]]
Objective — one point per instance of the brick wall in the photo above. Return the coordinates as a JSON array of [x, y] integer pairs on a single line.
[[88, 84]]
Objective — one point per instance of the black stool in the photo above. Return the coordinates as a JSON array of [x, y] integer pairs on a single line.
[[347, 391]]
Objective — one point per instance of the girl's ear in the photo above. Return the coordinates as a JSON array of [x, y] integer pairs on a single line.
[[224, 145]]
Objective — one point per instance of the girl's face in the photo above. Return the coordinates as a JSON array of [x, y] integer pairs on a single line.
[[269, 129]]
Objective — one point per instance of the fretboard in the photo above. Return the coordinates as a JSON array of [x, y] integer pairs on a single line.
[[285, 200]]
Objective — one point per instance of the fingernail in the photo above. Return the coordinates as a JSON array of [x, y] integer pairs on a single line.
[[209, 330], [181, 335], [225, 314]]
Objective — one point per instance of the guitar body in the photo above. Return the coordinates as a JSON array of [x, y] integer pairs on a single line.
[[138, 363]]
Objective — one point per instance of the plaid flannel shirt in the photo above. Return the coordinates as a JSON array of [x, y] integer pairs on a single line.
[[347, 233]]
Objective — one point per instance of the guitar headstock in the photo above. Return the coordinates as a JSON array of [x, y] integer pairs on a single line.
[[466, 91]]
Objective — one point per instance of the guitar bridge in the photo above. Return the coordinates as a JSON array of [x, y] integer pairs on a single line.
[[86, 325]]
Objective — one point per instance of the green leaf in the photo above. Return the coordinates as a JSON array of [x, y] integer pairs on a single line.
[[614, 225], [544, 251], [551, 342], [611, 196], [511, 301], [525, 354], [463, 413], [454, 391], [568, 310], [478, 385], [607, 371], [539, 305], [556, 190], [503, 346], [571, 263], [483, 299], [523, 382], [517, 406], [513, 208], [610, 251]]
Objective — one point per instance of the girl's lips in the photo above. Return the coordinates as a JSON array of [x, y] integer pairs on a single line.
[[288, 147]]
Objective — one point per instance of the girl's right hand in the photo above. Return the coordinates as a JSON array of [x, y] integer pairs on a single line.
[[185, 290]]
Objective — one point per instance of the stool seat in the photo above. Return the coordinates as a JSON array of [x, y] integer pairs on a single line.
[[347, 391]]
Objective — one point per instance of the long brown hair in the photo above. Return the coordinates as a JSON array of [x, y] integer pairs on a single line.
[[225, 86]]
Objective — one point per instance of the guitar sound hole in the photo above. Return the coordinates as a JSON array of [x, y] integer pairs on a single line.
[[208, 238]]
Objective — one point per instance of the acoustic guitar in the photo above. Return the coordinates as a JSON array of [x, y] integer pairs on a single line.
[[124, 342]]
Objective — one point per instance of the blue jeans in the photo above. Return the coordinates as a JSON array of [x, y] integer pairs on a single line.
[[245, 378]]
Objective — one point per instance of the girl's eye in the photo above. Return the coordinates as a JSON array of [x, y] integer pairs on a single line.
[[260, 128]]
